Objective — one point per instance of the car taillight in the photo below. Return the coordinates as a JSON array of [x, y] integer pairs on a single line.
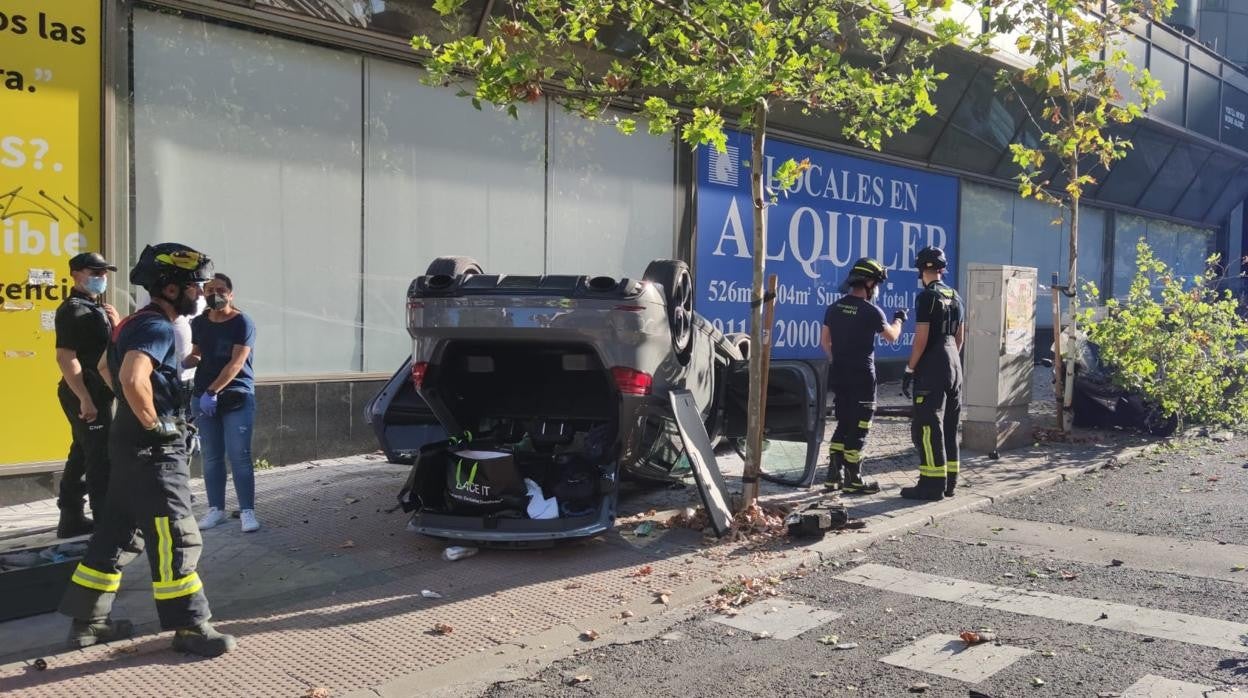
[[418, 373], [631, 381]]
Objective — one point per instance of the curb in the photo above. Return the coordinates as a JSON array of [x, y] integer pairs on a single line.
[[515, 661]]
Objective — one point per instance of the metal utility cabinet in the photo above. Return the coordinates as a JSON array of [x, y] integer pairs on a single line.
[[1001, 337]]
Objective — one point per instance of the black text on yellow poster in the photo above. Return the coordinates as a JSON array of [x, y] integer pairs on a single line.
[[49, 204]]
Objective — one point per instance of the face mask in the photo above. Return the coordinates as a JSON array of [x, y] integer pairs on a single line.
[[96, 285], [216, 301]]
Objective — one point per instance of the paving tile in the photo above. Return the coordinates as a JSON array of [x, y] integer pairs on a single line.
[[949, 656], [1151, 686], [779, 618]]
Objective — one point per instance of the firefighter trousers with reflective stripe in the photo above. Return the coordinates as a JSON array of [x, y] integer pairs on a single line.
[[937, 410], [854, 410], [148, 507]]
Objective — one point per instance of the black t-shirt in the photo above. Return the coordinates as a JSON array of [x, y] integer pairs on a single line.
[[853, 323], [941, 308], [83, 327]]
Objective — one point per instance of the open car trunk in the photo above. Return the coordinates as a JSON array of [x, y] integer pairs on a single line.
[[526, 418]]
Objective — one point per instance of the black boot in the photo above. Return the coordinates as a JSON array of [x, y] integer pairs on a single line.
[[930, 489], [836, 461], [951, 482], [203, 640], [854, 484], [85, 633], [73, 523]]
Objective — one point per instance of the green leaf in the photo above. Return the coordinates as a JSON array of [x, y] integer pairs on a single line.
[[447, 7]]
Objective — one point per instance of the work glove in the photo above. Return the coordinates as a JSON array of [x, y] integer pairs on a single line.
[[901, 315], [907, 383], [208, 404], [164, 433]]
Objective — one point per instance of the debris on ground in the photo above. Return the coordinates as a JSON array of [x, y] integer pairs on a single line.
[[430, 594], [846, 646], [626, 614], [1116, 563], [41, 664], [759, 522], [347, 544], [458, 552], [691, 518], [589, 635], [919, 687], [644, 530], [976, 637], [442, 629], [1069, 576], [1037, 681], [746, 590], [317, 692], [579, 679], [828, 640], [642, 572], [762, 635], [663, 596]]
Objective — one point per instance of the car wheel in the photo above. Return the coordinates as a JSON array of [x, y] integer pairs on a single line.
[[453, 266], [677, 283]]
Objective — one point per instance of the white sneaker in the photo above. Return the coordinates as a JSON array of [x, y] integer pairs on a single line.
[[250, 522], [214, 517]]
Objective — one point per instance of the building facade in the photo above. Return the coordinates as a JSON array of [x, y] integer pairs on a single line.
[[293, 141]]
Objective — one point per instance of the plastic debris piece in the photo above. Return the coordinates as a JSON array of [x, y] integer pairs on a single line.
[[645, 529], [458, 552], [846, 646], [430, 594]]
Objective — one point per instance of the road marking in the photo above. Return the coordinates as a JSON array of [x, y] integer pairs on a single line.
[[1156, 553], [1151, 686], [949, 656], [1165, 625], [782, 620]]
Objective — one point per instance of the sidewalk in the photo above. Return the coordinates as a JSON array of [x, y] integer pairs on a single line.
[[329, 592]]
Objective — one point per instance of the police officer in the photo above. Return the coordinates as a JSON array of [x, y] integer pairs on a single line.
[[149, 503], [933, 379], [849, 329], [83, 323]]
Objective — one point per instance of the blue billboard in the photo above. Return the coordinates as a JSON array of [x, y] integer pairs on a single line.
[[840, 209]]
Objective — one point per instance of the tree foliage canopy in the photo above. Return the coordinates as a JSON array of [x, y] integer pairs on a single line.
[[696, 65]]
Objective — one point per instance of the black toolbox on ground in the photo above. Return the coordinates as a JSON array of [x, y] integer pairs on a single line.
[[32, 581]]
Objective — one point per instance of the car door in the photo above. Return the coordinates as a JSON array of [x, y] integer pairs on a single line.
[[401, 419], [795, 408]]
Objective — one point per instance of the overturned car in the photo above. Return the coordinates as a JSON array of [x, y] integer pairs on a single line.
[[528, 398]]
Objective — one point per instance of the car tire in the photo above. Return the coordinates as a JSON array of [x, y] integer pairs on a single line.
[[453, 266], [673, 275]]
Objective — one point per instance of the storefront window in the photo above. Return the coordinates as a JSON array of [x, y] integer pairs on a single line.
[[401, 18], [1184, 248], [442, 178], [614, 189], [248, 147]]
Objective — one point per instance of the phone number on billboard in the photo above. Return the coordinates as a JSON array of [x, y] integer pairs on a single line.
[[786, 333]]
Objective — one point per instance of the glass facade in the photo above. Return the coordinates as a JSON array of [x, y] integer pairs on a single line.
[[998, 227], [322, 182], [1183, 247]]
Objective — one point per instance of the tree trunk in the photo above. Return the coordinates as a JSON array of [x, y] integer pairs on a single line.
[[754, 423], [1072, 297]]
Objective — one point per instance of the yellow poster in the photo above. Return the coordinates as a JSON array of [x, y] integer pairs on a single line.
[[49, 205]]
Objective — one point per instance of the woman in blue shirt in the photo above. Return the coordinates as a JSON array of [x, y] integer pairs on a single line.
[[224, 400]]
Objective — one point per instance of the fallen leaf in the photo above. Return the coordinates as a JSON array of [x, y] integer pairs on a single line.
[[348, 544], [317, 692], [1237, 568], [573, 585], [969, 637], [829, 640], [642, 572], [589, 635], [1069, 576], [443, 629], [131, 649]]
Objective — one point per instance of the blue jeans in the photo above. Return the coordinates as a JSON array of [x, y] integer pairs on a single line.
[[228, 434]]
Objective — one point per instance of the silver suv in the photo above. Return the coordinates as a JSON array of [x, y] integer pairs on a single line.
[[578, 380]]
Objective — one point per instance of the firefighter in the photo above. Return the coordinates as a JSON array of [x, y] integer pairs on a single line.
[[83, 324], [149, 501], [850, 326], [933, 379]]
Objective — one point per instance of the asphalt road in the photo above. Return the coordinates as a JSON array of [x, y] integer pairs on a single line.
[[1129, 582]]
